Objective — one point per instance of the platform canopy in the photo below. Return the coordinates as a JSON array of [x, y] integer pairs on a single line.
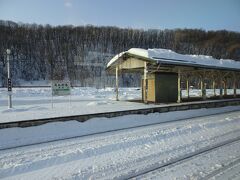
[[134, 59], [221, 72]]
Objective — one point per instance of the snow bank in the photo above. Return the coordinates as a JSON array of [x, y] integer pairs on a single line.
[[12, 137]]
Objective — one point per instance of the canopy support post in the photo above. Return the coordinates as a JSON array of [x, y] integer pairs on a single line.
[[234, 85], [214, 88], [117, 68], [204, 91], [201, 86], [187, 86], [220, 88], [179, 86], [145, 82], [225, 87]]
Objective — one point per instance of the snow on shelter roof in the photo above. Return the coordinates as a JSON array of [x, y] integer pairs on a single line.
[[166, 56]]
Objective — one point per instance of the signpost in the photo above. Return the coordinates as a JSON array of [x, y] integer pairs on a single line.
[[9, 82], [61, 88]]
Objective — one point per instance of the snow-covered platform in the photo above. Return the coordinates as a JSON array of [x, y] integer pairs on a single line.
[[110, 109], [32, 106]]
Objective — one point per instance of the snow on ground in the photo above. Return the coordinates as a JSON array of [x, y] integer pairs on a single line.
[[115, 154], [216, 164], [122, 154], [33, 103], [12, 137]]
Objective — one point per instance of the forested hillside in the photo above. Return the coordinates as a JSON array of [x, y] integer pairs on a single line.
[[81, 53]]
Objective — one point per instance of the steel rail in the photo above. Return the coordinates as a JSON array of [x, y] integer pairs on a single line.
[[115, 130], [185, 158]]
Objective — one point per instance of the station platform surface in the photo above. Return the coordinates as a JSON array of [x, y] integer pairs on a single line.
[[82, 111]]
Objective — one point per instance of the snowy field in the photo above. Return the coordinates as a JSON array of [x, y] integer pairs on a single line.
[[119, 147], [32, 103], [125, 153]]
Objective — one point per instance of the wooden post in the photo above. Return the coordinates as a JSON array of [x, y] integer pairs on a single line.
[[220, 88], [204, 91], [179, 86], [145, 82], [214, 88], [225, 87], [213, 78], [187, 87], [201, 86], [234, 85], [117, 83]]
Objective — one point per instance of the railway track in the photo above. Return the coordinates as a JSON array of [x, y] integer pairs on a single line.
[[115, 130], [189, 157], [130, 154]]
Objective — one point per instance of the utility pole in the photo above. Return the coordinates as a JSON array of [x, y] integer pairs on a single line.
[[9, 82]]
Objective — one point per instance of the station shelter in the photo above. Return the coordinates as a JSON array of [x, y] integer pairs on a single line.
[[164, 71]]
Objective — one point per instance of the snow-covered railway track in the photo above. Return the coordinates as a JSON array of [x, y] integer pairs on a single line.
[[127, 153], [192, 164], [115, 130]]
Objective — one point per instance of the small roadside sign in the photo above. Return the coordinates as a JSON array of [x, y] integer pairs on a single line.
[[61, 88]]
